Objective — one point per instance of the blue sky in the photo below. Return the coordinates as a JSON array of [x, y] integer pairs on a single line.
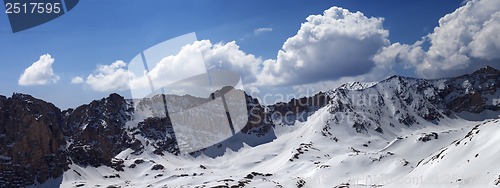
[[100, 32]]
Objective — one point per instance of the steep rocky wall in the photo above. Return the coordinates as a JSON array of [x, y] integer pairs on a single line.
[[32, 145]]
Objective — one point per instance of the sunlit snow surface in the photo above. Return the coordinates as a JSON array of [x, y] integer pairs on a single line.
[[459, 150], [304, 156]]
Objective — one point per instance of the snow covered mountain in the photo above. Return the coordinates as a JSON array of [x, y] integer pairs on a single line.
[[400, 132]]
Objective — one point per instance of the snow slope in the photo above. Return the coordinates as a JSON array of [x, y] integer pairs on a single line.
[[467, 162], [400, 132], [305, 156]]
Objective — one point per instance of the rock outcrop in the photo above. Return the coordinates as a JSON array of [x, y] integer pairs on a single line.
[[32, 144], [96, 132]]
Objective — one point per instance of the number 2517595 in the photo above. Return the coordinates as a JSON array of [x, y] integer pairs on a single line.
[[32, 8]]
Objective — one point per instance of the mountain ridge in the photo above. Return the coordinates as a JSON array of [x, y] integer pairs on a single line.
[[95, 134]]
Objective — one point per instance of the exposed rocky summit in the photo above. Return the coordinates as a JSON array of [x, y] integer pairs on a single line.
[[403, 100], [96, 131]]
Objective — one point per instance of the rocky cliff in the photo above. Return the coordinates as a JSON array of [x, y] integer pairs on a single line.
[[32, 142]]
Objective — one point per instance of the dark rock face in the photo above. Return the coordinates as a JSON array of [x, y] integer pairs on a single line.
[[161, 134], [97, 131], [470, 92], [259, 121], [298, 109], [38, 141], [32, 144]]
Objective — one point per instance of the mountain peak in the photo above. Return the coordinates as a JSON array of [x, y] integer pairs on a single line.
[[21, 96], [487, 70]]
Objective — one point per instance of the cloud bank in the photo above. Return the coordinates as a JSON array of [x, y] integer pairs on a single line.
[[338, 46], [465, 40], [330, 46]]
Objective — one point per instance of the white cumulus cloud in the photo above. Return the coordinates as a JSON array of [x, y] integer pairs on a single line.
[[77, 80], [196, 59], [228, 56], [107, 78], [39, 73], [465, 40], [186, 63], [336, 44], [192, 59]]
